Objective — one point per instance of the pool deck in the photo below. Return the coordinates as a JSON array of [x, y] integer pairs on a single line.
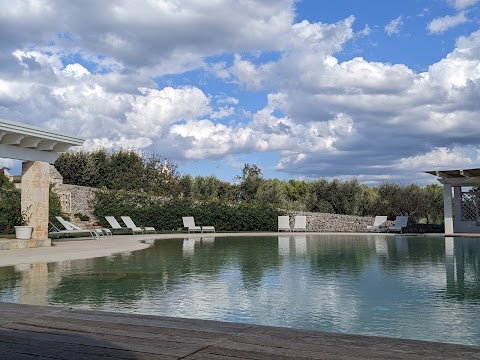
[[47, 332]]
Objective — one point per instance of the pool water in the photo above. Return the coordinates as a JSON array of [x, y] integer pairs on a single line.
[[425, 288]]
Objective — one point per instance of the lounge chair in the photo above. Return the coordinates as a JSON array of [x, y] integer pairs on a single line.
[[284, 223], [400, 223], [380, 222], [130, 224], [116, 226], [189, 223], [73, 229], [300, 223]]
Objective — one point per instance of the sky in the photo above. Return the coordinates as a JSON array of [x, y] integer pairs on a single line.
[[374, 90]]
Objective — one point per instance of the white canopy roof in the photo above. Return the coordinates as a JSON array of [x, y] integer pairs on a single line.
[[25, 142], [466, 177]]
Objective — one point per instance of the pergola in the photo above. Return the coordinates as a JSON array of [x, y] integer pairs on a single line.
[[465, 214], [37, 148]]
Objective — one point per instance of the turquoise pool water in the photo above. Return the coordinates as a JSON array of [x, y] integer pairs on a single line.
[[424, 288]]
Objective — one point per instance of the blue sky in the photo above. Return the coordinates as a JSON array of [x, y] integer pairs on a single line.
[[376, 90]]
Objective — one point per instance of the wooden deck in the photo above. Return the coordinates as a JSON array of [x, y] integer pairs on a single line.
[[41, 332]]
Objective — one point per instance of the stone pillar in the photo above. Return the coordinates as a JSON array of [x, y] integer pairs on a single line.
[[35, 186], [447, 208]]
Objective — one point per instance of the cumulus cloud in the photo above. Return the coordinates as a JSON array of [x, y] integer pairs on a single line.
[[441, 24], [99, 74], [394, 26], [463, 4]]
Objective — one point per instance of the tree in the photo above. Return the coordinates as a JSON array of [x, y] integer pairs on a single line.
[[335, 197], [433, 194], [250, 181], [270, 192], [126, 171]]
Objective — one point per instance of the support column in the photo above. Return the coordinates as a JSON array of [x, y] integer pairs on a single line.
[[457, 206], [35, 186], [447, 208]]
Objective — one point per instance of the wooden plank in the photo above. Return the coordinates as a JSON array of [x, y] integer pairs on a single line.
[[63, 333], [134, 331], [70, 348], [159, 347], [157, 321]]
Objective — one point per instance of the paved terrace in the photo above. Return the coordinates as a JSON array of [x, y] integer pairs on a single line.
[[47, 332]]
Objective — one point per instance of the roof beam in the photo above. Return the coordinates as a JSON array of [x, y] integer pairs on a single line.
[[12, 139], [46, 145], [30, 142], [461, 181]]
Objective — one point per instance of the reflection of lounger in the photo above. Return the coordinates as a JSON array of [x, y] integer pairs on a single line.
[[188, 246], [284, 245], [208, 240], [381, 246], [300, 244]]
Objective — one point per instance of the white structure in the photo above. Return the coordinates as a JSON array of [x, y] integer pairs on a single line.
[[462, 208], [37, 148]]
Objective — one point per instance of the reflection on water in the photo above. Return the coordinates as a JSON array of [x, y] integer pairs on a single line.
[[410, 287]]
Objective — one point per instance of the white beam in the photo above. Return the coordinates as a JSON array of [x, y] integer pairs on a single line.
[[20, 153], [462, 181], [447, 208]]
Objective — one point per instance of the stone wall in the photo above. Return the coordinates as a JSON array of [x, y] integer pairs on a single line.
[[76, 199], [324, 222]]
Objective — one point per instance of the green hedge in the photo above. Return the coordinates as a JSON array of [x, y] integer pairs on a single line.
[[167, 215]]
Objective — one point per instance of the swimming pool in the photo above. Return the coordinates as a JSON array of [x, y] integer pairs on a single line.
[[425, 288]]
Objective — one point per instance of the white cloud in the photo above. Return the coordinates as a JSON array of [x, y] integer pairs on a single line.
[[441, 24], [394, 26], [321, 115], [463, 4], [440, 158]]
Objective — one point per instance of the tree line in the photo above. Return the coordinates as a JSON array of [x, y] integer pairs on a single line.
[[153, 174]]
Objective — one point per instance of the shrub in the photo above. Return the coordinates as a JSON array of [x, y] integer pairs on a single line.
[[168, 215]]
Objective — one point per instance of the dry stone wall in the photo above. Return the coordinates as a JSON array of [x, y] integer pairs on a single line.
[[324, 222], [76, 199]]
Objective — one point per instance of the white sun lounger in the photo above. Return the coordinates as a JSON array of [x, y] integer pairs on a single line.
[[380, 222], [130, 224], [73, 229], [116, 226], [300, 223], [284, 223], [400, 223], [189, 223]]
